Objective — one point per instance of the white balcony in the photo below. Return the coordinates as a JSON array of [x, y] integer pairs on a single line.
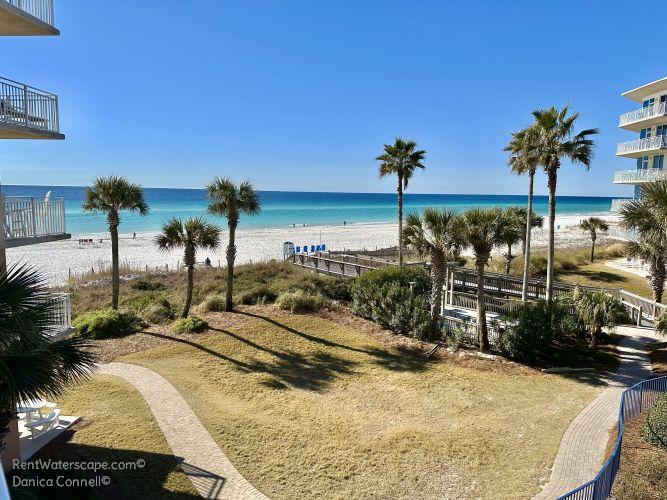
[[618, 203], [640, 147], [60, 314], [644, 117], [30, 220], [27, 112], [27, 18], [638, 176]]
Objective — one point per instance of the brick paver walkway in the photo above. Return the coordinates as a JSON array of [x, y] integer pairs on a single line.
[[212, 474], [582, 449]]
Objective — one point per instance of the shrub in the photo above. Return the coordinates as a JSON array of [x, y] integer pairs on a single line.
[[384, 296], [337, 288], [258, 295], [107, 323], [159, 312], [192, 324], [146, 286], [654, 429], [141, 301], [532, 327], [213, 302], [597, 310], [299, 301], [660, 323]]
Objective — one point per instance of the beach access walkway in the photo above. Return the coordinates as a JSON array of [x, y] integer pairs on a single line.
[[207, 467], [582, 450]]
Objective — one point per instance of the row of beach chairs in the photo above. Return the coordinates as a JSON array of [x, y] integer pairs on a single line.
[[313, 248]]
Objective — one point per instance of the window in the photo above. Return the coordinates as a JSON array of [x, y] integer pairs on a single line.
[[658, 162], [645, 133], [648, 102], [661, 130], [642, 162], [663, 98]]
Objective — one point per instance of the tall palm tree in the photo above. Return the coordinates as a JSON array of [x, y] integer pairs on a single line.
[[401, 158], [648, 217], [480, 230], [524, 159], [557, 140], [593, 225], [191, 235], [231, 201], [32, 364], [112, 195], [512, 232], [434, 234], [535, 222]]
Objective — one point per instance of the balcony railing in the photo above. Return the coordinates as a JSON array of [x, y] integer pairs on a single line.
[[639, 175], [618, 203], [41, 9], [656, 110], [60, 313], [640, 145], [27, 106], [34, 218]]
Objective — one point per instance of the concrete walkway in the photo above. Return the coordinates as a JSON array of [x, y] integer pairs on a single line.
[[212, 474], [582, 449]]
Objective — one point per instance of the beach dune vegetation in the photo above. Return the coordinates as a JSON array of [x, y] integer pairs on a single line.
[[232, 200], [112, 195], [107, 323]]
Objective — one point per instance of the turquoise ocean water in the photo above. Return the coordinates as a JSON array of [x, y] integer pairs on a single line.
[[283, 208]]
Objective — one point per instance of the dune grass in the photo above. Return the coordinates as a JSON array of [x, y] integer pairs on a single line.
[[308, 408], [116, 426]]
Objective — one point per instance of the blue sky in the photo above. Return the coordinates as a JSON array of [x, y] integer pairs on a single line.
[[301, 95]]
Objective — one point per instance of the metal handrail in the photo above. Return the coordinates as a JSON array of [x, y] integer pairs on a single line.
[[639, 175], [41, 9], [634, 401], [636, 115], [645, 144], [21, 104], [27, 217], [618, 203], [60, 313]]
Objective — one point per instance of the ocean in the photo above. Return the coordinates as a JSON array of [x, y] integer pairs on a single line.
[[284, 208]]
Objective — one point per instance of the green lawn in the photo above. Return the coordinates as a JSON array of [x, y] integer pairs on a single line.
[[309, 408]]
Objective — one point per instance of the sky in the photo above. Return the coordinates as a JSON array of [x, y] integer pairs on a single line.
[[302, 95]]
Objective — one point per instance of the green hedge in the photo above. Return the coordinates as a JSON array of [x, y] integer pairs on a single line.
[[107, 323]]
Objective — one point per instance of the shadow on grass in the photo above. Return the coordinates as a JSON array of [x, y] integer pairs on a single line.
[[599, 276], [135, 481]]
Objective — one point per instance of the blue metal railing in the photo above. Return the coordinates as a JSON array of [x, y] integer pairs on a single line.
[[634, 401]]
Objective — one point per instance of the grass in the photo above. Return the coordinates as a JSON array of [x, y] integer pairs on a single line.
[[306, 407], [116, 426]]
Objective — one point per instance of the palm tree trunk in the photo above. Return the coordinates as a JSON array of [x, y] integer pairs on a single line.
[[188, 293], [400, 221], [552, 178], [593, 247], [115, 273], [508, 258], [657, 275], [482, 331], [529, 227], [437, 283], [231, 256]]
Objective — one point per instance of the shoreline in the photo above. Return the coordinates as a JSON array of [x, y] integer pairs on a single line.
[[56, 260]]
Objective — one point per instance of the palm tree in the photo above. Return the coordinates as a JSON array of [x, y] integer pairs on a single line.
[[593, 225], [512, 232], [112, 195], [535, 221], [556, 140], [231, 200], [401, 158], [480, 230], [524, 159], [191, 235], [648, 217], [434, 234], [33, 365]]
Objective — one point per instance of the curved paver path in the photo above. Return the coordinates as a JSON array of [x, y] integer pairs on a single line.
[[582, 449], [212, 474]]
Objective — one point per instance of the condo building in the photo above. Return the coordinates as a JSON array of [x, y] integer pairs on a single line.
[[649, 148]]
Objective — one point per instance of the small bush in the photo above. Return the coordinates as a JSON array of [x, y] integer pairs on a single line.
[[337, 288], [146, 286], [159, 312], [654, 429], [192, 324], [139, 302], [532, 328], [258, 295], [213, 303], [660, 323], [299, 301], [384, 296], [107, 323]]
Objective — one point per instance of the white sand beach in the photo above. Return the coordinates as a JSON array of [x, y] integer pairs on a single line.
[[56, 260]]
